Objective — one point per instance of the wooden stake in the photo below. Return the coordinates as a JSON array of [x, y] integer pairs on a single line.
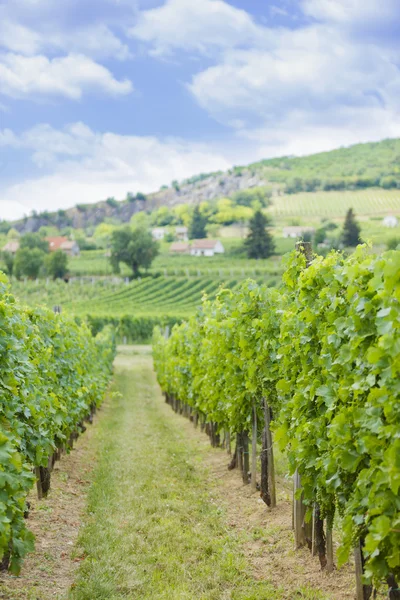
[[270, 455], [264, 484], [299, 512], [359, 573], [246, 458], [228, 441], [363, 592], [254, 452], [329, 549], [38, 483]]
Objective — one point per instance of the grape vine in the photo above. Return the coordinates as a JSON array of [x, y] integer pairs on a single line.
[[53, 374], [325, 352]]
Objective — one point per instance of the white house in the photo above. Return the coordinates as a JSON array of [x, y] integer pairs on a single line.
[[158, 233], [297, 231], [70, 247], [390, 221], [181, 233], [206, 248]]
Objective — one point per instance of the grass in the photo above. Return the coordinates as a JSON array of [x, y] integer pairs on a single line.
[[153, 529]]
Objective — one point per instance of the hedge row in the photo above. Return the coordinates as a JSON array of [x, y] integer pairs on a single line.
[[133, 329]]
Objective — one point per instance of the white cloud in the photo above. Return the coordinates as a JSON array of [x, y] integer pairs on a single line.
[[96, 40], [195, 25], [68, 76], [352, 11], [312, 69], [87, 166]]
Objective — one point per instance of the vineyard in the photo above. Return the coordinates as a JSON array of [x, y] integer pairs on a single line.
[[54, 374], [313, 369], [367, 202], [134, 307]]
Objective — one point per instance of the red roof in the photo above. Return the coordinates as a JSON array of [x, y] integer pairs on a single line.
[[204, 244], [55, 243], [179, 247]]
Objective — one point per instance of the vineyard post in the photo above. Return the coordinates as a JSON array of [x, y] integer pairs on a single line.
[[363, 592], [228, 440], [329, 547], [254, 451], [270, 454], [246, 458], [299, 508], [38, 483]]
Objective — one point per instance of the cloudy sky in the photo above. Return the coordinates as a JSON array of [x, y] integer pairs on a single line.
[[101, 97]]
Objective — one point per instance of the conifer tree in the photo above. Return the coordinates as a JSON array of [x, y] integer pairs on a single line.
[[197, 229], [351, 230], [259, 242]]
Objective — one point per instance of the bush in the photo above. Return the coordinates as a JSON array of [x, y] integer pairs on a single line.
[[393, 243], [135, 329]]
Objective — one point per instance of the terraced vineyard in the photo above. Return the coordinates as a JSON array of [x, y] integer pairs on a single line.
[[335, 204]]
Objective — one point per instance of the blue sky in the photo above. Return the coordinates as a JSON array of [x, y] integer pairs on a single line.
[[101, 97]]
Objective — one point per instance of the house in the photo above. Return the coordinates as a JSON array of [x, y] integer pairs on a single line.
[[390, 221], [158, 233], [181, 234], [297, 231], [70, 247], [206, 248], [12, 246], [179, 247]]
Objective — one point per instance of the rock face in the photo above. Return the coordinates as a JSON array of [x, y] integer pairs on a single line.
[[210, 187]]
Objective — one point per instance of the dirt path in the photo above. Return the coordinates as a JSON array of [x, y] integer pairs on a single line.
[[144, 509], [266, 534], [50, 570]]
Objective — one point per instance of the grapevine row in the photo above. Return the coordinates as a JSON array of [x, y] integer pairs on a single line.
[[321, 358], [53, 376]]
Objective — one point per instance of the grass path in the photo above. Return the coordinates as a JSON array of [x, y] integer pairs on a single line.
[[153, 533], [154, 529]]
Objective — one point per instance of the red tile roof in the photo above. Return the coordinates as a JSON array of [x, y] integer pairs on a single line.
[[55, 243], [204, 244]]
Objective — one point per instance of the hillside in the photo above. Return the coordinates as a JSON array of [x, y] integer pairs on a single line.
[[357, 167]]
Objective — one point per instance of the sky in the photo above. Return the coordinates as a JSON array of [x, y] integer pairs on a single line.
[[102, 97]]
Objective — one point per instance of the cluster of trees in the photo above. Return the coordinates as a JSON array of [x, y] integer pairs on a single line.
[[34, 258], [223, 211]]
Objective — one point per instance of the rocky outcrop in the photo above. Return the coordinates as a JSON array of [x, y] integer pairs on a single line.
[[214, 186]]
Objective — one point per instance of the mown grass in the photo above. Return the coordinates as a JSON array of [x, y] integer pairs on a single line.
[[153, 529]]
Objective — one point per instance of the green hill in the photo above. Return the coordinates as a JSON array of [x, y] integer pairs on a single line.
[[359, 167]]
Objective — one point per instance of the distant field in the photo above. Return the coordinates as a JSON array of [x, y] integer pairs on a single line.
[[372, 201], [94, 262], [149, 297]]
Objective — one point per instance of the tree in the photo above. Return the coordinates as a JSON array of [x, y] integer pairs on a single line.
[[28, 262], [351, 230], [57, 264], [134, 247], [393, 243], [34, 240], [8, 258], [198, 224], [13, 234], [259, 242], [140, 220]]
